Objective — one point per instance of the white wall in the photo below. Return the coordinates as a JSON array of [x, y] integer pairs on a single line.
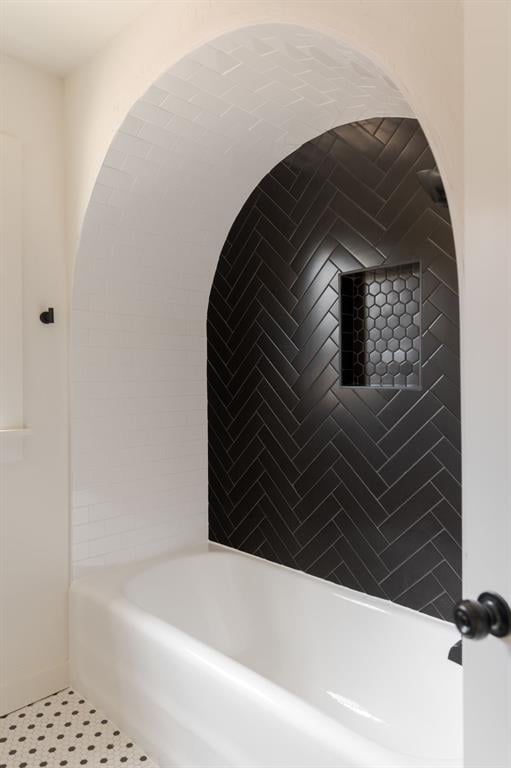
[[34, 490]]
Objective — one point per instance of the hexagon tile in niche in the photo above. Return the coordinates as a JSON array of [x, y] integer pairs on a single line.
[[381, 328], [67, 731]]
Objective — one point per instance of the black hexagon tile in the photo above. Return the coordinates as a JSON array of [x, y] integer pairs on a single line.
[[380, 316]]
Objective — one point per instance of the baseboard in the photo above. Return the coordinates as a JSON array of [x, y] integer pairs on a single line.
[[33, 688]]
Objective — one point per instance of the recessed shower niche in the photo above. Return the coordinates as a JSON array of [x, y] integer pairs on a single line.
[[380, 327]]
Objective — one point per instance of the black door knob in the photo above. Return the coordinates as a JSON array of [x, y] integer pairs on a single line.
[[489, 614]]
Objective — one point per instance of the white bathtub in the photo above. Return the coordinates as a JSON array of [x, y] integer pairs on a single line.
[[222, 659]]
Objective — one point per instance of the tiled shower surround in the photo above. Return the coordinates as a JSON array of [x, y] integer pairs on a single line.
[[356, 484], [187, 155]]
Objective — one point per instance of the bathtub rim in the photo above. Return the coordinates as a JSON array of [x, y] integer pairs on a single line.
[[364, 598], [115, 573]]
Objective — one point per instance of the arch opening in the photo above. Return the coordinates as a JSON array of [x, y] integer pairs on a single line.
[[333, 370], [182, 164]]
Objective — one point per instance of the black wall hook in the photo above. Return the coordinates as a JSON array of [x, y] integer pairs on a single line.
[[47, 317]]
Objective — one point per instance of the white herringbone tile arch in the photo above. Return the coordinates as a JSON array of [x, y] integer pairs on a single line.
[[178, 171]]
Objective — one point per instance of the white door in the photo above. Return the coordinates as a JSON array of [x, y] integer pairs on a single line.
[[486, 371]]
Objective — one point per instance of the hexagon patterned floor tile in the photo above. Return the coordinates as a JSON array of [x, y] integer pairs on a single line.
[[67, 731]]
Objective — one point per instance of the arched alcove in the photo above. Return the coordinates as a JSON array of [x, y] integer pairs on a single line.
[[333, 370], [182, 164]]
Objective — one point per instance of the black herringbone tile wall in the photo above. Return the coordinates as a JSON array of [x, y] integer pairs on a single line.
[[358, 485]]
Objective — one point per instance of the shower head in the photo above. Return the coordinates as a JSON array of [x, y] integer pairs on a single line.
[[432, 183]]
